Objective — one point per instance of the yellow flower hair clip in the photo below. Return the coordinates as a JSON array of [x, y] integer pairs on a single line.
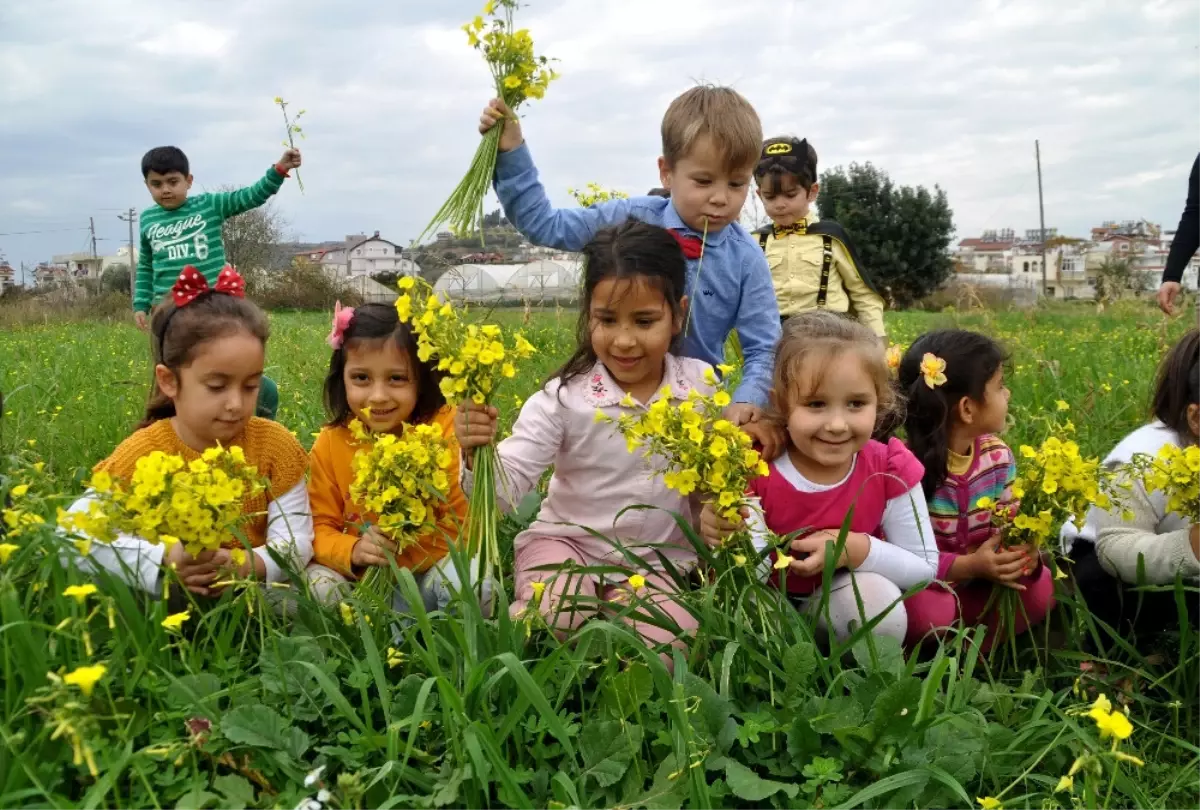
[[933, 369]]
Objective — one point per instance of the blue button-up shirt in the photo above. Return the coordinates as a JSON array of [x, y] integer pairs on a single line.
[[732, 290]]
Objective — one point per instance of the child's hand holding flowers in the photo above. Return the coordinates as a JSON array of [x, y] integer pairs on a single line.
[[290, 159], [474, 426], [998, 563], [373, 548], [495, 112], [806, 555]]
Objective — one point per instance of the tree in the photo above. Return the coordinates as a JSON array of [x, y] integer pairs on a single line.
[[252, 239], [115, 278], [1116, 276], [902, 235]]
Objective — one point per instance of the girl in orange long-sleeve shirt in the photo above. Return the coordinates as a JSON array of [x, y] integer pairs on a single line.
[[375, 377]]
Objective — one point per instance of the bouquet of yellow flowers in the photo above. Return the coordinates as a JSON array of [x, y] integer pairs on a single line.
[[519, 75], [168, 500], [1054, 484], [699, 449], [595, 193], [400, 478], [1175, 472], [473, 359]]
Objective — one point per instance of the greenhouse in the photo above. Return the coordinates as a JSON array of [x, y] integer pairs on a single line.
[[536, 281]]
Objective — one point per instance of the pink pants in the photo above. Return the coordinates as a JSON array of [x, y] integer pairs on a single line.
[[571, 598], [942, 606]]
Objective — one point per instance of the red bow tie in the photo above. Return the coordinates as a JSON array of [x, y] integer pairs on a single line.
[[192, 283], [693, 246]]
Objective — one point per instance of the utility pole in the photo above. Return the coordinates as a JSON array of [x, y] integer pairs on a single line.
[[130, 216], [1037, 151], [92, 233]]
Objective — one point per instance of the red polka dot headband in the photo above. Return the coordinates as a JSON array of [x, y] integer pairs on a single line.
[[192, 283]]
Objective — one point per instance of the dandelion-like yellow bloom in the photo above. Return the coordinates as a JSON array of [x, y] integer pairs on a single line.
[[80, 593], [176, 620], [85, 677], [637, 582]]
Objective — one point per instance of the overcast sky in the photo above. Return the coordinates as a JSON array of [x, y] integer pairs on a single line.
[[933, 92]]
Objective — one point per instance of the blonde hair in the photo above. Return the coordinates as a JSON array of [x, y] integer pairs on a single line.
[[815, 339], [721, 113]]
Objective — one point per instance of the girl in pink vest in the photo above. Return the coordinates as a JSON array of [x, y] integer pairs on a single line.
[[831, 390], [957, 403]]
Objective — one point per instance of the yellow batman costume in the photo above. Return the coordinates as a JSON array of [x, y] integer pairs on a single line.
[[814, 266]]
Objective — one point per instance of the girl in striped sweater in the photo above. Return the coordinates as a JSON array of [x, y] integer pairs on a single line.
[[957, 403]]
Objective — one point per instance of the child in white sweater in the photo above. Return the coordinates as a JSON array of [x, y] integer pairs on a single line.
[[1107, 550]]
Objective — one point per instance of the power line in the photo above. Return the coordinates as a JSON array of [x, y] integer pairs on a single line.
[[32, 233]]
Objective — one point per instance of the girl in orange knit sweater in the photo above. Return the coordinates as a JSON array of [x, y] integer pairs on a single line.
[[209, 349], [375, 377]]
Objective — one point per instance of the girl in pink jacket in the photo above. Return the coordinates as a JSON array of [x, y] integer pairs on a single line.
[[633, 310]]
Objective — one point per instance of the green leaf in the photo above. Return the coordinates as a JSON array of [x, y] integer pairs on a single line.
[[629, 690], [263, 727], [607, 748], [802, 741], [799, 663], [196, 799], [748, 785], [896, 707], [665, 793], [236, 790], [888, 655], [193, 691]]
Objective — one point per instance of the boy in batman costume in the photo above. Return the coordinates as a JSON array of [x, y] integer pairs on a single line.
[[813, 262]]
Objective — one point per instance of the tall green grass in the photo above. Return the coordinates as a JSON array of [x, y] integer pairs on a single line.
[[250, 699]]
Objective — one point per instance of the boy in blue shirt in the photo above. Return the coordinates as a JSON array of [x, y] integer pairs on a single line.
[[711, 138]]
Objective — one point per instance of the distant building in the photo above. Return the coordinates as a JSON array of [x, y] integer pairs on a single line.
[[361, 255], [7, 275]]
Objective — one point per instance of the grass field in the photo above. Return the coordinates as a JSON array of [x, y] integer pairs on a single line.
[[243, 705]]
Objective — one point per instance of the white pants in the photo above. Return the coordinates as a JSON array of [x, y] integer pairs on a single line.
[[878, 595], [436, 586]]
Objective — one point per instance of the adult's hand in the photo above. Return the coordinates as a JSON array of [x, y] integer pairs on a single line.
[[1166, 296]]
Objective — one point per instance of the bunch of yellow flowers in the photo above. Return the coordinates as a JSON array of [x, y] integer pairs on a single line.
[[1174, 471], [1054, 484], [472, 358], [595, 193], [401, 478], [519, 74], [701, 450], [168, 500]]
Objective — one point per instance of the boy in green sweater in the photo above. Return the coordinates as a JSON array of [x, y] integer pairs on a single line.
[[180, 230]]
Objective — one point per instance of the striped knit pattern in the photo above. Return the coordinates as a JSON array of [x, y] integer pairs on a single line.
[[268, 446], [958, 523], [191, 234]]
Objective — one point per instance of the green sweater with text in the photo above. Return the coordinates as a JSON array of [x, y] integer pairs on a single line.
[[191, 234]]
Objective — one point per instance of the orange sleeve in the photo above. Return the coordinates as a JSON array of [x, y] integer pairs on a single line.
[[331, 544]]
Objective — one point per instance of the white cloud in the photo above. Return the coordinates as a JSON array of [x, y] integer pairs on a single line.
[[933, 93]]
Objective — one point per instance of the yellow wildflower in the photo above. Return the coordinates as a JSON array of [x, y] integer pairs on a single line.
[[1062, 405], [394, 657], [176, 620], [783, 561], [637, 582], [1064, 783], [538, 589], [989, 803], [80, 593], [19, 490], [6, 551], [86, 677]]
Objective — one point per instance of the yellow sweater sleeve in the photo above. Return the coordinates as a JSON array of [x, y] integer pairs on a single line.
[[867, 305], [332, 545]]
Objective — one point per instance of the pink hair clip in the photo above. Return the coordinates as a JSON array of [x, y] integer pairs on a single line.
[[342, 316]]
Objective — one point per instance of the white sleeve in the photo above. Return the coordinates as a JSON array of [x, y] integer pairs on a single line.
[[129, 557], [909, 556], [289, 532], [759, 536]]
